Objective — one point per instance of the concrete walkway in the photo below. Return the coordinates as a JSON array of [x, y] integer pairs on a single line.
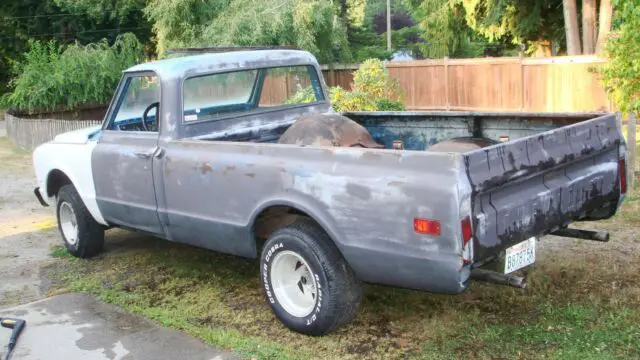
[[76, 326]]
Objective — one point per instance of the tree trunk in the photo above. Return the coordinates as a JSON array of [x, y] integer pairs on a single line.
[[588, 26], [604, 26], [571, 27]]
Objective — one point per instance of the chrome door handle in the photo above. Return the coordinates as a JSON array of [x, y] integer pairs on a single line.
[[159, 153], [145, 154]]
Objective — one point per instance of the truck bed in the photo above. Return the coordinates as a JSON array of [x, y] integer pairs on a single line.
[[547, 170]]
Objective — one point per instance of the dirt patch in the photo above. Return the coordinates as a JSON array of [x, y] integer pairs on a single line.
[[27, 230]]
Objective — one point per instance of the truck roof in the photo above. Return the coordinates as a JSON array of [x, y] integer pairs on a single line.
[[233, 60]]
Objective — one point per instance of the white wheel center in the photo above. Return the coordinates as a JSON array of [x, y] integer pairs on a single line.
[[293, 283], [68, 223]]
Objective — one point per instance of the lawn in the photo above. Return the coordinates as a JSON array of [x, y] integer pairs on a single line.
[[581, 303]]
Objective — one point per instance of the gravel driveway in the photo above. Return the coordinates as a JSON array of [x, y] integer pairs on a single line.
[[27, 230]]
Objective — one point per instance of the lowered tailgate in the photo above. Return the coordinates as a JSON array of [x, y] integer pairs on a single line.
[[533, 185]]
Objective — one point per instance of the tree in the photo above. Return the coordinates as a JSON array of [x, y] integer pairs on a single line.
[[441, 24], [621, 74], [44, 20], [507, 23], [604, 24], [571, 27], [312, 25], [588, 26]]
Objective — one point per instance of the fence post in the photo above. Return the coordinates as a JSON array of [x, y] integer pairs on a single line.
[[522, 101], [631, 143], [446, 83]]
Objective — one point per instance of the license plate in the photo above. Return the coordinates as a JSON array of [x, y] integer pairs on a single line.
[[520, 255]]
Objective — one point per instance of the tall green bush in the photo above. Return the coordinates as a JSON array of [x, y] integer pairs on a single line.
[[621, 74], [52, 76], [373, 90]]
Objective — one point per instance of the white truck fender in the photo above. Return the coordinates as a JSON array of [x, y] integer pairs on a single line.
[[74, 160]]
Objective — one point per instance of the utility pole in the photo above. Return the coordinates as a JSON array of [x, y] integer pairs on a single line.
[[389, 25]]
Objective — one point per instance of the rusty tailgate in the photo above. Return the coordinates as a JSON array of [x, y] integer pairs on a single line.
[[533, 185]]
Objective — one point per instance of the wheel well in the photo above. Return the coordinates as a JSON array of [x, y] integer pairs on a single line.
[[274, 218], [55, 181]]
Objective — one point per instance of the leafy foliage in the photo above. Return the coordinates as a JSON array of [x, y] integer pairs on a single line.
[[52, 75], [310, 25], [373, 90], [102, 10], [442, 25], [621, 74], [398, 21], [373, 79], [44, 20], [452, 25]]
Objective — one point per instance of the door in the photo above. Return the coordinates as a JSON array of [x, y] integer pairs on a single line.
[[122, 161]]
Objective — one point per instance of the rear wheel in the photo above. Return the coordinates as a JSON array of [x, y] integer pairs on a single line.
[[83, 236], [307, 282]]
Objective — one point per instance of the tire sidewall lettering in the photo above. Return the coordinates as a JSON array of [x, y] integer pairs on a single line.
[[267, 258]]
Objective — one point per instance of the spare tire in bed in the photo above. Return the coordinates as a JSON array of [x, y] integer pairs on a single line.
[[462, 144], [328, 130]]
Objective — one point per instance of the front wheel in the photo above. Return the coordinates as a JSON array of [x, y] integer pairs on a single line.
[[82, 235], [307, 282]]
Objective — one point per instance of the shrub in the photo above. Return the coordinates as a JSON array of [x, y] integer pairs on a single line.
[[389, 105], [373, 79], [373, 90], [343, 100], [621, 74], [52, 76]]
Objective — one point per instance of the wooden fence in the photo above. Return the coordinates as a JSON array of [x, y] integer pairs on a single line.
[[29, 133], [557, 84]]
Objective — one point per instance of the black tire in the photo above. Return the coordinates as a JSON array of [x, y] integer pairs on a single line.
[[90, 234], [339, 291]]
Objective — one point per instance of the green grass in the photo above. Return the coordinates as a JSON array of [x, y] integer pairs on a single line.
[[60, 252], [579, 305]]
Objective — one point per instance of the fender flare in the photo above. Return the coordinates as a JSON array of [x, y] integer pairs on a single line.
[[307, 205]]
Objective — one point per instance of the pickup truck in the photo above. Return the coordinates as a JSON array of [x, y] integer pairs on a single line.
[[188, 151]]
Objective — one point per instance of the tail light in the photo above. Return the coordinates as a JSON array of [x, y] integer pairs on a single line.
[[426, 226], [466, 230], [622, 174], [467, 234]]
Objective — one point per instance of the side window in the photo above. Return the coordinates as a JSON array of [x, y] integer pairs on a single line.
[[210, 96], [139, 93], [291, 85], [206, 97]]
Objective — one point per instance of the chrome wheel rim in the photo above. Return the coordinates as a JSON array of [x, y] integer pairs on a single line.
[[293, 283], [68, 223]]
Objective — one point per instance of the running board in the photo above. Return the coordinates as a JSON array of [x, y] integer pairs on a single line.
[[498, 278], [601, 236]]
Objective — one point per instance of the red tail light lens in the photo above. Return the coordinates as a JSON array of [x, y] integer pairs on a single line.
[[622, 174], [426, 226], [466, 230]]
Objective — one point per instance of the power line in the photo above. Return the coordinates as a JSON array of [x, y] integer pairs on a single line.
[[49, 15], [82, 32]]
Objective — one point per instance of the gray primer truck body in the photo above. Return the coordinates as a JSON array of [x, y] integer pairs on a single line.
[[206, 183]]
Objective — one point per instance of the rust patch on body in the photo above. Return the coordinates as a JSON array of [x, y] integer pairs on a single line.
[[205, 168]]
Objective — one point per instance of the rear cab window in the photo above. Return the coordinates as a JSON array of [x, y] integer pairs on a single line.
[[209, 97]]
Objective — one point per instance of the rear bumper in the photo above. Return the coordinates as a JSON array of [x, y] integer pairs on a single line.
[[38, 195]]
